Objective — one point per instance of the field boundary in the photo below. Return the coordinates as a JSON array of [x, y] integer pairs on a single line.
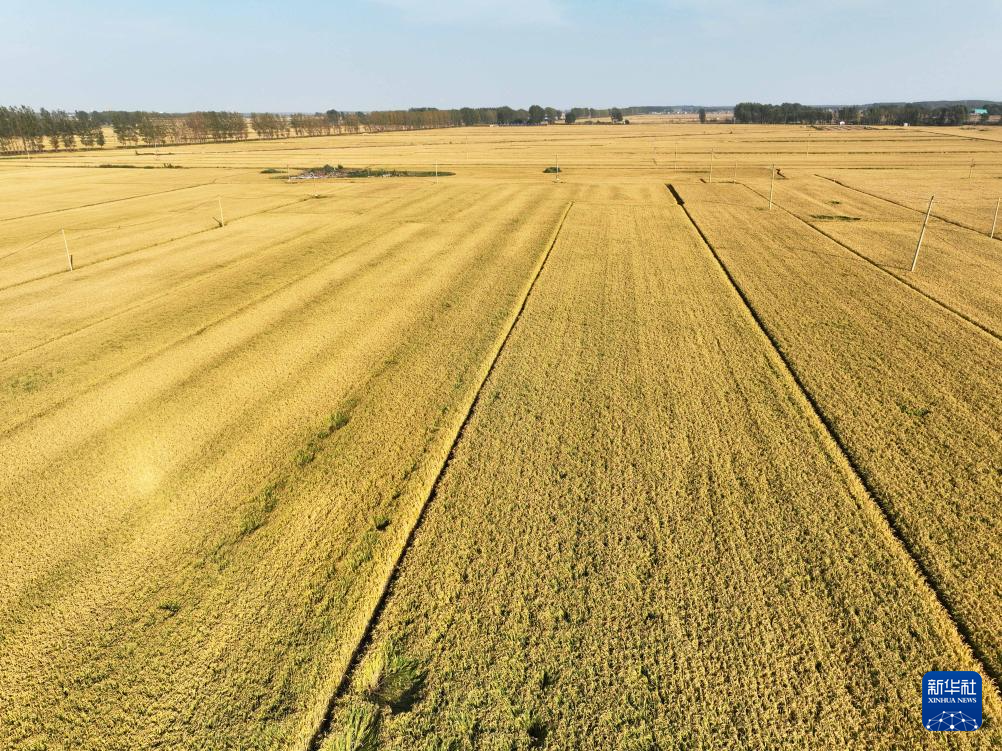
[[157, 244], [934, 215], [180, 340], [858, 475], [104, 203], [945, 306], [324, 726]]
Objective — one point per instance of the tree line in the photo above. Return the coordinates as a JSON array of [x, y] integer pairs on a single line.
[[24, 129], [872, 114]]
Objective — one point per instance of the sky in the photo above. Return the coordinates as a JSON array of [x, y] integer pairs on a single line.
[[262, 55]]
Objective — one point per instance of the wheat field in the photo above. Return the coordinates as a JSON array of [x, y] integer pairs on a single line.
[[614, 458]]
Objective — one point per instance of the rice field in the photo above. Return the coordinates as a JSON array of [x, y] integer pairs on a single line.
[[613, 458]]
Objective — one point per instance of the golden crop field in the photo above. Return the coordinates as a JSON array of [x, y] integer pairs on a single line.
[[619, 458]]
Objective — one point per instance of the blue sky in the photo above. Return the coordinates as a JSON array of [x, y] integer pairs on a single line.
[[374, 54]]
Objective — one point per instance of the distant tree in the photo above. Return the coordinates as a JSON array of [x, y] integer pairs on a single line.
[[616, 114], [702, 115], [469, 116], [536, 114], [505, 115], [49, 127], [570, 117]]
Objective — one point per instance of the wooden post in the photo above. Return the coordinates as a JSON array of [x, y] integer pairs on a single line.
[[922, 233], [995, 221], [436, 171], [676, 158], [734, 174], [66, 247], [712, 151], [222, 222], [970, 173], [772, 183]]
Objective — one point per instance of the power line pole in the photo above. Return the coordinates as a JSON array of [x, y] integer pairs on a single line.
[[995, 221], [712, 151], [772, 183], [66, 247], [922, 233], [222, 223]]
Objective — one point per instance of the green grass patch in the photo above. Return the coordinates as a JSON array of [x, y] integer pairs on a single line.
[[390, 679], [914, 411], [359, 731], [171, 606], [334, 423], [261, 507], [29, 382], [834, 218]]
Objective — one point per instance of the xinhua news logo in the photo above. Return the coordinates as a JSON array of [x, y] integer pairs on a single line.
[[951, 700]]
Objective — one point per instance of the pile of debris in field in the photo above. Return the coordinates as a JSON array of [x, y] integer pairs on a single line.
[[329, 172]]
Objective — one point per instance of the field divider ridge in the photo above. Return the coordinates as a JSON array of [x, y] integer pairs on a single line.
[[365, 639], [874, 264], [181, 339], [103, 203], [857, 475], [934, 215], [157, 244]]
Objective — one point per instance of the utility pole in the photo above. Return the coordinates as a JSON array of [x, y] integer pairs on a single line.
[[712, 151], [970, 173], [922, 233], [222, 223], [676, 158], [772, 183], [995, 221], [66, 247], [436, 172]]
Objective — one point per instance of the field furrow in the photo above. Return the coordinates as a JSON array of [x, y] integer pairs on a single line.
[[957, 267], [673, 554], [910, 388]]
